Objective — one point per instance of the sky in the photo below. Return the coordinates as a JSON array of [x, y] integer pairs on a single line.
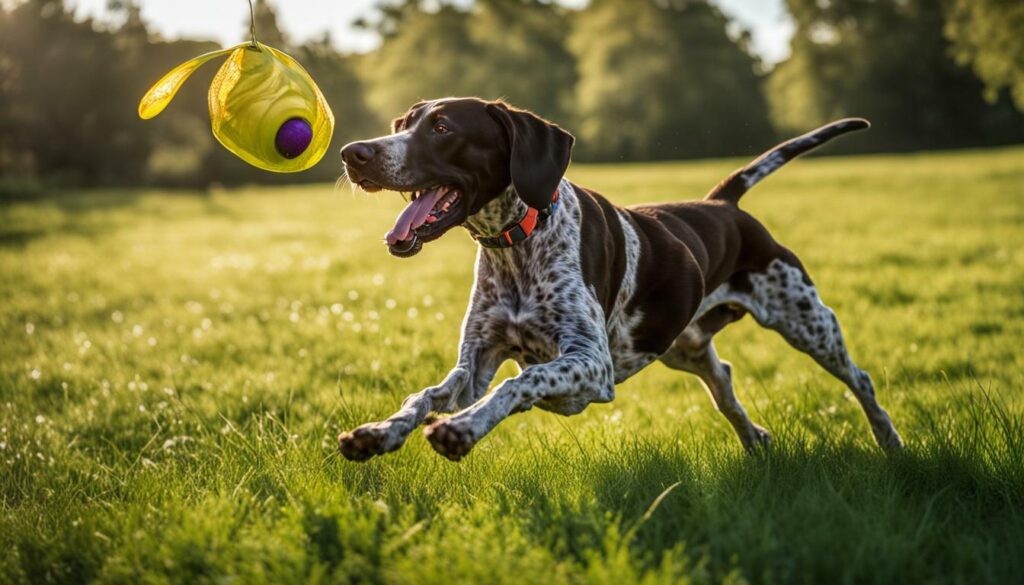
[[223, 20]]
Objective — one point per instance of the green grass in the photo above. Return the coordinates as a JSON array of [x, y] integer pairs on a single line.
[[174, 369]]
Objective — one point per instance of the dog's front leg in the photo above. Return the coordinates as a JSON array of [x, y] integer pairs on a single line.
[[475, 369], [566, 386], [377, 438]]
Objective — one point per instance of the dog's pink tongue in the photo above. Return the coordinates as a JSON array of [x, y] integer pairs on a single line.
[[414, 216]]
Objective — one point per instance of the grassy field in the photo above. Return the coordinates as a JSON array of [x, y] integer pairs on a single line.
[[174, 369]]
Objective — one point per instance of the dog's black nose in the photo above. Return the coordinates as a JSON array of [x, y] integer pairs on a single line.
[[357, 153]]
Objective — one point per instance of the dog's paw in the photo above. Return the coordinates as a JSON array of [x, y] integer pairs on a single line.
[[759, 441], [890, 440], [366, 441], [450, 440]]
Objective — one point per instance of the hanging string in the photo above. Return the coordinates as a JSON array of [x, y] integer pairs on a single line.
[[252, 26]]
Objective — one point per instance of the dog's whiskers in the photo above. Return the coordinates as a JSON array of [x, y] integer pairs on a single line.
[[342, 179]]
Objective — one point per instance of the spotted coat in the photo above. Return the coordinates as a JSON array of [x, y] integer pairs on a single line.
[[598, 292]]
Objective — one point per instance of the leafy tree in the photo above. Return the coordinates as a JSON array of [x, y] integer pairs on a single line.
[[388, 16], [635, 79], [663, 79], [267, 30], [65, 117], [989, 35], [427, 56], [496, 48], [886, 60], [179, 145], [522, 55], [14, 159]]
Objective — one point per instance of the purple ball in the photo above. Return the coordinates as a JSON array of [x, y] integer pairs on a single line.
[[293, 137]]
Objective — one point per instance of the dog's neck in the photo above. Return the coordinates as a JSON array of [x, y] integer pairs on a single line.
[[553, 235], [498, 213]]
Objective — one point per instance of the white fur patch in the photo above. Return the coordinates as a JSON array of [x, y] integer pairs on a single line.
[[394, 152], [764, 168], [626, 359]]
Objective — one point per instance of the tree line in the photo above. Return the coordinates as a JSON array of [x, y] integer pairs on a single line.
[[633, 79]]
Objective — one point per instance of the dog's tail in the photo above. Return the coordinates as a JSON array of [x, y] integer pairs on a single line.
[[740, 181]]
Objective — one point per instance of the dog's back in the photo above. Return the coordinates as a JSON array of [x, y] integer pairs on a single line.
[[687, 250]]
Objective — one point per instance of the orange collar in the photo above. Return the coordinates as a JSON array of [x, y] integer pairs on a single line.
[[520, 230]]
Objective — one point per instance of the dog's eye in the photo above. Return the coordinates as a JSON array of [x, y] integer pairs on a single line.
[[440, 128]]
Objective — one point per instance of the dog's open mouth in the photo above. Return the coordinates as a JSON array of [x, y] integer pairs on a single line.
[[430, 213]]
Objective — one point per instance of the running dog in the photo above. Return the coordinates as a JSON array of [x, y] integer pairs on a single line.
[[580, 292]]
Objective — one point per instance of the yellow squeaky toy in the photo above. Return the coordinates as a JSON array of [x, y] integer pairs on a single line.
[[264, 107]]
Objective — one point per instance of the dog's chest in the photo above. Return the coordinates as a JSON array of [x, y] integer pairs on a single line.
[[521, 322]]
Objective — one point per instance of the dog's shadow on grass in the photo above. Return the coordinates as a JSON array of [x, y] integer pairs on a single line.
[[776, 506]]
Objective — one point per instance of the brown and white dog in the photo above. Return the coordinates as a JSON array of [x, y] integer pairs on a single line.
[[582, 293]]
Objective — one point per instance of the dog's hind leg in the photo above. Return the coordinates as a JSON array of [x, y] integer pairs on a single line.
[[784, 299], [694, 352]]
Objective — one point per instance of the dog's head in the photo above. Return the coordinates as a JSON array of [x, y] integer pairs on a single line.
[[454, 156]]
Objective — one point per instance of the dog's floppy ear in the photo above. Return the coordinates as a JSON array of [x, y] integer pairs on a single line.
[[398, 124], [539, 153]]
